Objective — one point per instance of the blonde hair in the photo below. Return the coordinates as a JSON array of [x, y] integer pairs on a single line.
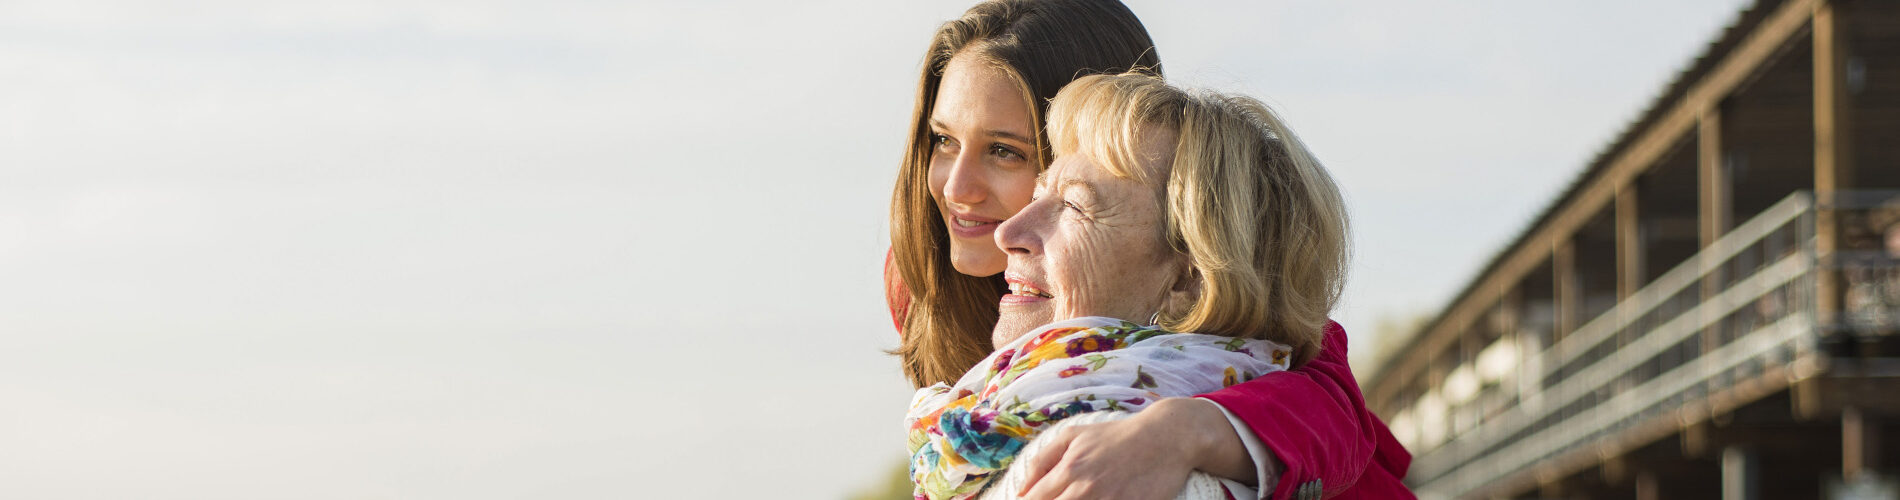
[[1261, 222], [1042, 45]]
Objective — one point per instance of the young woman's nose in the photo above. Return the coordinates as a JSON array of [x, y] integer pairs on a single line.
[[967, 185]]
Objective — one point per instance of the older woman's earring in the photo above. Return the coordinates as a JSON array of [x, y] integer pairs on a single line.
[[1154, 319]]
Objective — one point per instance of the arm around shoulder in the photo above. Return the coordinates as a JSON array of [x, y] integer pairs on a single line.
[[1312, 419]]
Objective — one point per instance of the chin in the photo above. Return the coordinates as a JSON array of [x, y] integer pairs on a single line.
[[977, 265], [1011, 326]]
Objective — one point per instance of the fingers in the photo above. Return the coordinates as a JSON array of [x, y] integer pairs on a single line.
[[1075, 493], [1117, 460], [1057, 483], [1042, 461]]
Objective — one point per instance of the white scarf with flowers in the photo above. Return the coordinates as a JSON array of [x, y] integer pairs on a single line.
[[964, 435]]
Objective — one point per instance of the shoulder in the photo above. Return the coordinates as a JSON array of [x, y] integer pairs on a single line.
[[1332, 351], [896, 294]]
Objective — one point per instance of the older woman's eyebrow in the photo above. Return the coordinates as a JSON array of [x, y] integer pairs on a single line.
[[1079, 184]]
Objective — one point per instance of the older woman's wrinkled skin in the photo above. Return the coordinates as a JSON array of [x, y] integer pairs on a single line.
[[1093, 245]]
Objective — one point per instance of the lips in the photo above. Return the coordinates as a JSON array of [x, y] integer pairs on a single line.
[[1020, 288], [1024, 291], [972, 226]]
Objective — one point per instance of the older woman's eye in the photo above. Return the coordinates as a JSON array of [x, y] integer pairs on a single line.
[[1076, 208]]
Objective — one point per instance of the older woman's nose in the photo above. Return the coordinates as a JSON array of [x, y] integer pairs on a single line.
[[1021, 234], [967, 185]]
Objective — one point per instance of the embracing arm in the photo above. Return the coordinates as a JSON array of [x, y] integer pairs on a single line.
[[1146, 456], [1311, 424], [1313, 420]]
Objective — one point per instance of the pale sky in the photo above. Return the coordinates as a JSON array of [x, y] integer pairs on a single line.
[[491, 250]]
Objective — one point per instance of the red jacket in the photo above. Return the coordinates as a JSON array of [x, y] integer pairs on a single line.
[[1313, 418]]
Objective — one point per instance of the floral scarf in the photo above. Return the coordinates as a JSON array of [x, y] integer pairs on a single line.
[[962, 436]]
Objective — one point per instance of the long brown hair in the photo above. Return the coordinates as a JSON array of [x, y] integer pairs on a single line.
[[1043, 45]]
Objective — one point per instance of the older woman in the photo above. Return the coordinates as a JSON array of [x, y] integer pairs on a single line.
[[1164, 211]]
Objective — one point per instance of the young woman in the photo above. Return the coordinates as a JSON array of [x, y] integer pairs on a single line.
[[975, 150]]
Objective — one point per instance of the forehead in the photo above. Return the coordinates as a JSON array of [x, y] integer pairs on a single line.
[[1078, 169], [974, 94], [1151, 160]]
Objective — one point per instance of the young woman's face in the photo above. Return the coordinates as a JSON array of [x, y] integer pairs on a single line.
[[983, 163]]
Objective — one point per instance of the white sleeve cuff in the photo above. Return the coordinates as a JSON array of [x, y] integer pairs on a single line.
[[1256, 450]]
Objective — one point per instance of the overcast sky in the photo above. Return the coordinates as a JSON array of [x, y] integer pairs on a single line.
[[487, 250]]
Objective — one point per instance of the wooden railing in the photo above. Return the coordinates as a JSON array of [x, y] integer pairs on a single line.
[[1665, 345]]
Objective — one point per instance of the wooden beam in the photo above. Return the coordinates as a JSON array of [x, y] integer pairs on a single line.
[[1510, 312], [1568, 292], [1614, 469], [1629, 242], [1742, 62], [1716, 191], [1553, 488], [1833, 158], [1647, 488], [1741, 471], [1860, 444], [1696, 440]]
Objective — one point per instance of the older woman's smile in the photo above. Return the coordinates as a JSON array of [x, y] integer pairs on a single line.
[[1022, 291]]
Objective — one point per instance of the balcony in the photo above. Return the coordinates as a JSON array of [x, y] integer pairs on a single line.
[[1736, 322]]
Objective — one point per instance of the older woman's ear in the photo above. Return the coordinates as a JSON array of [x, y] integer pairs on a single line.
[[1183, 293]]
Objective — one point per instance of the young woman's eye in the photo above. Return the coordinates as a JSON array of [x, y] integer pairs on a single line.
[[939, 141], [1004, 152]]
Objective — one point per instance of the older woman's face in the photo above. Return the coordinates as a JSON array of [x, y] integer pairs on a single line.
[[983, 164], [1090, 244]]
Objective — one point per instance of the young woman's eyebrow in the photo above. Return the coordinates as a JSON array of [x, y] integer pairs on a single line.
[[1004, 134], [939, 126]]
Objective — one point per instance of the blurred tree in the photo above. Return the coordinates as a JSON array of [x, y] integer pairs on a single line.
[[895, 485], [1388, 334]]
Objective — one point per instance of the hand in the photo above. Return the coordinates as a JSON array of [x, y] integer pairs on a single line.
[[1144, 457]]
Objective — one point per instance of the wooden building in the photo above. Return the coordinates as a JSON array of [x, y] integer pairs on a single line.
[[1711, 310]]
